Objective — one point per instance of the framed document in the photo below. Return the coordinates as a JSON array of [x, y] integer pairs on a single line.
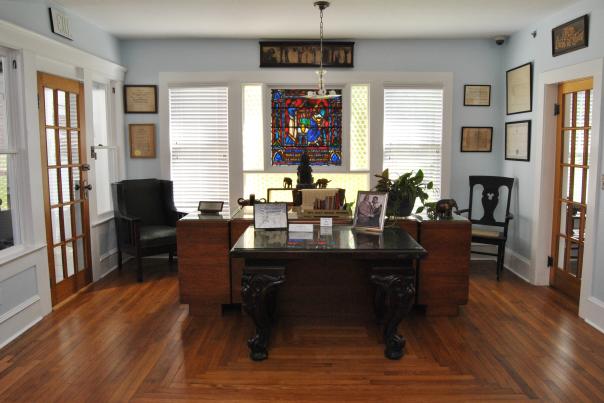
[[140, 98], [270, 216], [571, 36], [519, 89], [518, 140], [476, 139], [370, 212], [476, 95], [210, 207], [142, 140]]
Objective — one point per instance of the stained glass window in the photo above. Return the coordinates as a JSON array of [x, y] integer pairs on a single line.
[[306, 125]]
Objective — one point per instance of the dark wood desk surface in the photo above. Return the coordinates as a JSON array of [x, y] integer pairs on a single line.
[[393, 243]]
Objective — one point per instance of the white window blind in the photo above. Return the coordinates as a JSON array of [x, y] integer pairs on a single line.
[[413, 125], [103, 161], [199, 145]]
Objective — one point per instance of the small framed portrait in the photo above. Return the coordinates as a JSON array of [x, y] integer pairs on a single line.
[[270, 216], [140, 98], [476, 95], [142, 140], [210, 207], [518, 140], [476, 139], [519, 89], [570, 36], [370, 212]]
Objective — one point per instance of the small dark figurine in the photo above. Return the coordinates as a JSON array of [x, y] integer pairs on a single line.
[[287, 183], [322, 183], [444, 208], [305, 179]]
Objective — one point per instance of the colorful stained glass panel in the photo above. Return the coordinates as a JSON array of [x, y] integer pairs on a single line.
[[302, 125]]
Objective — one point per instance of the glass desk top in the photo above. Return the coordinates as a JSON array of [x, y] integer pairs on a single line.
[[339, 238]]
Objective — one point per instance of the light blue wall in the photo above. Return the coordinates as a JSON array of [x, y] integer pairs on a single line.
[[522, 48], [33, 15], [471, 61]]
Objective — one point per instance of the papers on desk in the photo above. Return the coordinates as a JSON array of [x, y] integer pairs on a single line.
[[300, 236], [301, 228]]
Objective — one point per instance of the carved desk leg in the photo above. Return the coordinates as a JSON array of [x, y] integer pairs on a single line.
[[258, 290], [395, 294]]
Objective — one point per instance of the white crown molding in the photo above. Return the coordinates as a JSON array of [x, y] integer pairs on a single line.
[[16, 37]]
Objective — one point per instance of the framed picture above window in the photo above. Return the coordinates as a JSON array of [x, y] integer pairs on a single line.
[[477, 95], [140, 98], [476, 139], [306, 54], [518, 140], [519, 89]]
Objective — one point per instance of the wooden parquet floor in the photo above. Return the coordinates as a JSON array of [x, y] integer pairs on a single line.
[[125, 341]]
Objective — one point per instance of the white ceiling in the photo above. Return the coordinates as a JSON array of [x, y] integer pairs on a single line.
[[299, 19]]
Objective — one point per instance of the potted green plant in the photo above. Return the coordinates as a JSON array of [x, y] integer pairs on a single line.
[[403, 191]]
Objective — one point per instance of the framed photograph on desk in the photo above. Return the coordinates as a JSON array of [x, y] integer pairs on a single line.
[[270, 216], [370, 212]]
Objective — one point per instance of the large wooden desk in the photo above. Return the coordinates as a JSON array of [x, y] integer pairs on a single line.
[[210, 279], [386, 259]]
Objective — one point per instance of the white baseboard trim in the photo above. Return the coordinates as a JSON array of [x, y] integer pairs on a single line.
[[518, 264], [108, 254], [21, 331], [19, 308], [592, 312]]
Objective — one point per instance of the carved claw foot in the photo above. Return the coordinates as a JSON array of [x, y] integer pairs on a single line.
[[258, 291], [395, 295]]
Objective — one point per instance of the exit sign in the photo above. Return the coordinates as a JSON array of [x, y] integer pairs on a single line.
[[59, 23]]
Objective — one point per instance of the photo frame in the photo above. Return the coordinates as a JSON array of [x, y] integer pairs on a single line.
[[270, 216], [477, 95], [570, 36], [370, 211], [306, 54], [476, 139], [210, 207], [142, 140], [518, 140], [519, 89], [140, 98]]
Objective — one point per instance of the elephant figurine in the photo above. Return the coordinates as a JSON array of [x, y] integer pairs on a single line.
[[444, 208], [287, 183], [322, 183]]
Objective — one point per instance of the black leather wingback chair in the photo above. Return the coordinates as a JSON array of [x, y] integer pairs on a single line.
[[145, 219], [492, 231]]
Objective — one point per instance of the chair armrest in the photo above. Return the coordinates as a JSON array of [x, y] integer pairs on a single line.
[[463, 211], [131, 235], [130, 219], [510, 216], [180, 214]]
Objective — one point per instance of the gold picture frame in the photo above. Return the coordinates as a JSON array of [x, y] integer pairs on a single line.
[[140, 98], [142, 140]]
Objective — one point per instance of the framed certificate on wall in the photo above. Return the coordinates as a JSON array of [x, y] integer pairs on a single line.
[[519, 89], [140, 98], [142, 140], [477, 95], [518, 140]]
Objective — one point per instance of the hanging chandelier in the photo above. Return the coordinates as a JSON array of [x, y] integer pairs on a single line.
[[321, 92]]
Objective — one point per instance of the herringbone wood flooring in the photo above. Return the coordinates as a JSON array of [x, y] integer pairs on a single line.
[[124, 341]]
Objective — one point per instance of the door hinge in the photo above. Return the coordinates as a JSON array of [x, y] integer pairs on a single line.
[[14, 64], [113, 90], [550, 261], [38, 101], [1, 68], [556, 109]]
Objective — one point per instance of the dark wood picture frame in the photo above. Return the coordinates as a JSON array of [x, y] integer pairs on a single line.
[[530, 89], [138, 148], [465, 131], [205, 206], [381, 219], [305, 50], [567, 32], [528, 140], [127, 93], [465, 94]]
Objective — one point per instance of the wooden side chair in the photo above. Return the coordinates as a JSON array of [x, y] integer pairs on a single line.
[[145, 219], [490, 230]]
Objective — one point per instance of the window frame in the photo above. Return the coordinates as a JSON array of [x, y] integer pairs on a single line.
[[16, 150]]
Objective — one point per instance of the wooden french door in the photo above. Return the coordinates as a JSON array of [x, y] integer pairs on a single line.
[[65, 173], [573, 139]]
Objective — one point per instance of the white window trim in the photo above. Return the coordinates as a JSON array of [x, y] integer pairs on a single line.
[[377, 80]]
